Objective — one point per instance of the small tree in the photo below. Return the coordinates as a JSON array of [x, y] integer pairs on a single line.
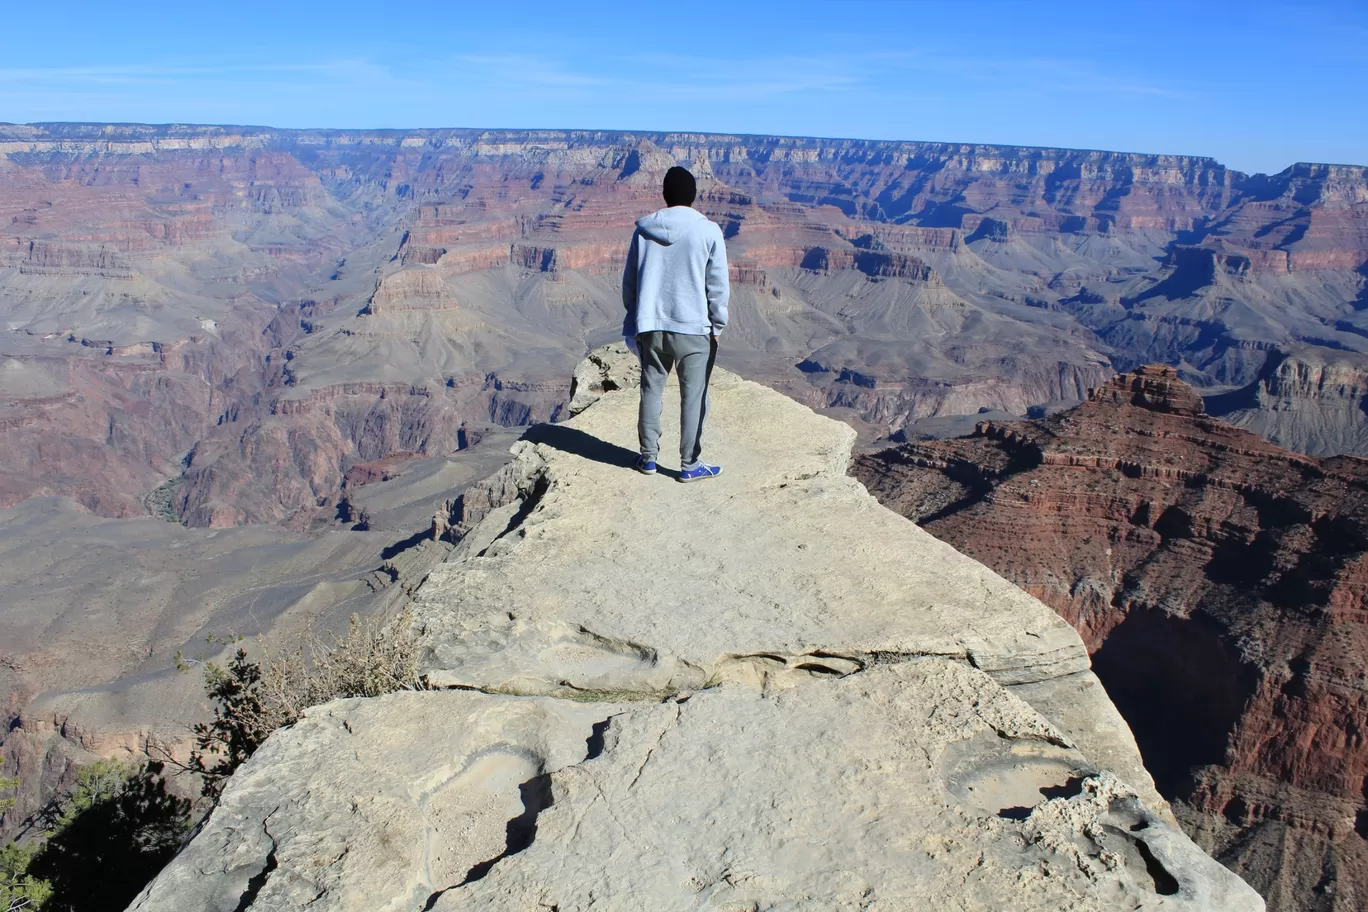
[[241, 721], [253, 699], [108, 838], [18, 889]]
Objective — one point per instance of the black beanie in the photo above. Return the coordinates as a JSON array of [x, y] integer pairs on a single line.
[[680, 188]]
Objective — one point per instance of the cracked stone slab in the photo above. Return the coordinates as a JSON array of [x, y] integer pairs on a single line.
[[375, 805], [918, 784], [603, 579]]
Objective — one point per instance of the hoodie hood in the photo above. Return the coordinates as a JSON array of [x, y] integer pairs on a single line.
[[666, 226]]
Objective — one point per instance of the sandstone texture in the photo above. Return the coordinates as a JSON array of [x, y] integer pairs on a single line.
[[1219, 582], [764, 691]]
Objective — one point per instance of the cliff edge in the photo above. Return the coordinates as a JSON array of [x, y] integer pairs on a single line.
[[1220, 583], [764, 691]]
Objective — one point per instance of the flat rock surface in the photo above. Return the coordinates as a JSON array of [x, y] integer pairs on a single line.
[[782, 554], [374, 804], [919, 784], [605, 579]]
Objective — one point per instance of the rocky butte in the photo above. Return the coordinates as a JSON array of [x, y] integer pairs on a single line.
[[1220, 583], [763, 692]]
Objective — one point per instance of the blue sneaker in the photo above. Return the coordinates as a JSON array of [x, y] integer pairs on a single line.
[[702, 470], [645, 466]]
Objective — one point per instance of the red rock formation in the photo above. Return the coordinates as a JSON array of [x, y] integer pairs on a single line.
[[1221, 584], [1154, 387]]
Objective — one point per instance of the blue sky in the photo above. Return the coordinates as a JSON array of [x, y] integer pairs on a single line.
[[1257, 85]]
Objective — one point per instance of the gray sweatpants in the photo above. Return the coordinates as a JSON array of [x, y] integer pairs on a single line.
[[692, 357]]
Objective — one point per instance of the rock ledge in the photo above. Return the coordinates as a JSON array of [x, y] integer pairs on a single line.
[[761, 692]]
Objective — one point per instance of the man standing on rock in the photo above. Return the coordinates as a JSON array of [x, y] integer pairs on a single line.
[[675, 288]]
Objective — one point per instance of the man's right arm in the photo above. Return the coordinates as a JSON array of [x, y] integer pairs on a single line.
[[718, 285]]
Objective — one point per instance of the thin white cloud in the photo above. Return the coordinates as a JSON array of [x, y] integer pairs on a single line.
[[522, 69], [671, 76], [83, 73], [628, 79]]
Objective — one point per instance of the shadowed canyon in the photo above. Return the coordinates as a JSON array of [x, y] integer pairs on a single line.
[[249, 376]]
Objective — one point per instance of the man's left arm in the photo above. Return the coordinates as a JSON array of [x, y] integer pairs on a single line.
[[629, 286]]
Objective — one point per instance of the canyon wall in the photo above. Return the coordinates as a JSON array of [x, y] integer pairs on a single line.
[[246, 313], [1309, 400]]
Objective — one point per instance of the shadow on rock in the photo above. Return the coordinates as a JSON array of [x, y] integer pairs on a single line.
[[586, 446]]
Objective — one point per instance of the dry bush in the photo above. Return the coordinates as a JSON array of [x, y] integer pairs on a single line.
[[253, 699]]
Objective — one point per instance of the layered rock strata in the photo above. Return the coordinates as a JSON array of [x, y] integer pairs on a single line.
[[251, 313], [762, 691], [1219, 582], [1306, 400]]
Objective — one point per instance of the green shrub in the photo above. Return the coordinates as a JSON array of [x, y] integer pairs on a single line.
[[106, 840], [98, 845], [7, 785], [19, 890]]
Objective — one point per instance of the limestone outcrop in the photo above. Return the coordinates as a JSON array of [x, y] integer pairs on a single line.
[[761, 692]]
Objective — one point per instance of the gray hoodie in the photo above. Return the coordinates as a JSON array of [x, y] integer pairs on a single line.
[[676, 275]]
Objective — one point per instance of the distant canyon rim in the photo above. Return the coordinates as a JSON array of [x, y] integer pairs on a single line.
[[280, 355], [251, 314]]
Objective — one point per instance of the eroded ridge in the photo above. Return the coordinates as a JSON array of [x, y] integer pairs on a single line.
[[763, 692]]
